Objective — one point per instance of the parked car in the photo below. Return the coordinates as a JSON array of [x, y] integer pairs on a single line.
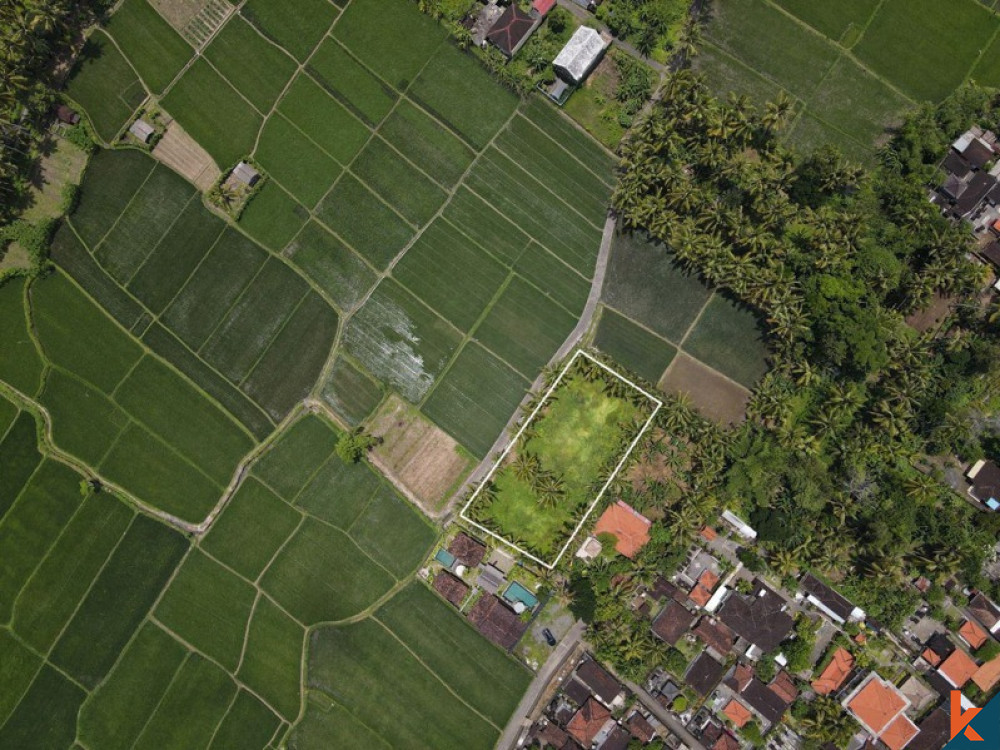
[[549, 638]]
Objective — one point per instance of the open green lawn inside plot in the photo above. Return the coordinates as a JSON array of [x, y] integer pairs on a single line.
[[556, 467]]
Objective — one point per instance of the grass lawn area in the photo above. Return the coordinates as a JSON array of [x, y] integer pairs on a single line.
[[588, 105]]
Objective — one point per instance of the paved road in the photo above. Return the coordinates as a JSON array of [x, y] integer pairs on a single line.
[[520, 719], [672, 722]]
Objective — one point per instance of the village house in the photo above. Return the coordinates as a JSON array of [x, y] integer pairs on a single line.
[[829, 602], [580, 55], [760, 618], [984, 477], [835, 675], [512, 29], [879, 707]]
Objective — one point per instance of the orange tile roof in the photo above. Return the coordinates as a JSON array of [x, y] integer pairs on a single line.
[[726, 742], [588, 721], [784, 687], [708, 533], [737, 713], [931, 657], [899, 733], [974, 635], [987, 675], [876, 704], [627, 525], [835, 673], [958, 668], [861, 639], [708, 579], [700, 595]]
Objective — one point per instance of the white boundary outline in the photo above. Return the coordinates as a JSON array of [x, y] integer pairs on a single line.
[[517, 436]]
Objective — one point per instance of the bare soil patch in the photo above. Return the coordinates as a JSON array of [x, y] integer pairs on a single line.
[[62, 164], [181, 153], [933, 315], [421, 459], [711, 393]]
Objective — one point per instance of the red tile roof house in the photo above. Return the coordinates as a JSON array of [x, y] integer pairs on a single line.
[[625, 524], [958, 668], [590, 721], [451, 588], [512, 30], [673, 622], [972, 634], [878, 706], [497, 622], [835, 674], [467, 550]]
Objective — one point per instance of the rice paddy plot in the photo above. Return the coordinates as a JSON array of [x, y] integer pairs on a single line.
[[323, 119], [399, 341], [392, 533], [451, 88], [350, 393], [248, 724], [338, 492], [730, 338], [112, 179], [350, 83], [540, 112], [475, 399], [296, 25], [486, 226], [287, 466], [45, 717], [642, 352], [251, 528], [305, 339], [725, 73], [392, 37], [427, 144], [213, 288], [327, 724], [335, 268], [524, 328], [925, 47], [144, 221], [414, 195], [150, 43], [348, 663], [365, 223], [17, 670], [20, 457], [487, 678], [254, 319], [21, 365], [300, 577], [555, 278], [255, 67], [987, 70], [301, 166], [85, 422], [645, 283], [271, 664], [106, 86], [810, 133], [214, 113], [450, 274], [208, 607], [118, 601], [273, 217], [833, 20]]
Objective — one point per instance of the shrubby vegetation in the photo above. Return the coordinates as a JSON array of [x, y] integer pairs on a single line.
[[648, 24]]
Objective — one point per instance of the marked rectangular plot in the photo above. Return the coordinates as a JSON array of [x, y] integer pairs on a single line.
[[350, 393], [249, 724], [391, 37], [452, 88], [289, 368], [490, 229], [20, 457], [561, 129], [641, 275], [364, 222], [213, 113], [32, 526], [147, 467], [159, 201], [642, 352], [725, 73], [555, 278], [400, 341], [273, 217], [441, 259], [343, 78], [295, 161], [118, 601], [542, 157], [476, 398], [58, 585], [338, 270], [21, 365], [393, 533], [111, 180], [255, 67], [524, 201], [296, 25], [832, 19], [106, 86], [46, 715], [325, 120], [287, 466], [118, 710], [17, 670], [730, 338], [168, 346], [208, 607], [151, 44], [174, 260], [67, 250], [212, 289], [524, 328], [423, 141], [332, 726], [272, 663], [408, 191], [348, 664], [169, 406], [486, 677], [254, 524], [193, 706], [254, 319], [339, 492], [300, 581], [67, 323]]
